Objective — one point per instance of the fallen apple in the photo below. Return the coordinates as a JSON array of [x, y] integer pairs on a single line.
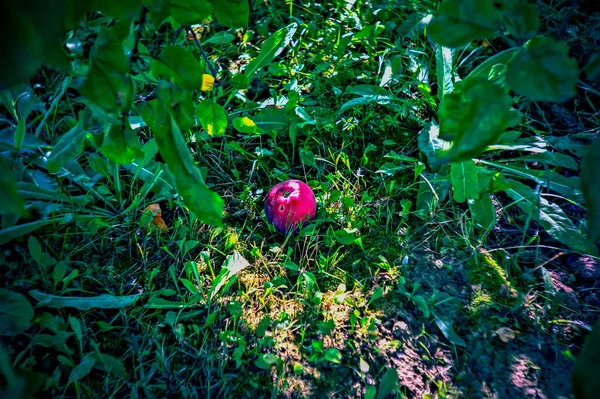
[[289, 204]]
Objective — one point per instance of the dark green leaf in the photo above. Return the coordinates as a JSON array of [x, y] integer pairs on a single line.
[[162, 116], [543, 71], [103, 301], [333, 355], [474, 116], [429, 143], [458, 22], [110, 364], [590, 184], [344, 236], [11, 200], [464, 178], [82, 369], [521, 20], [212, 117], [231, 13], [550, 216], [592, 68], [446, 328], [189, 12], [246, 125], [483, 211], [178, 65], [270, 48], [388, 384], [443, 69], [121, 145], [15, 313], [107, 82], [9, 234], [69, 146], [586, 383]]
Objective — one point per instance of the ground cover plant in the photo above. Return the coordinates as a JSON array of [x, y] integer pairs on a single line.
[[452, 147]]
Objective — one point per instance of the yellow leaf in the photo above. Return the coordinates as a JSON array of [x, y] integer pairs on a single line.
[[208, 82]]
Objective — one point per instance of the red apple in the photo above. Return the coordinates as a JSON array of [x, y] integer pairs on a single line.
[[290, 203]]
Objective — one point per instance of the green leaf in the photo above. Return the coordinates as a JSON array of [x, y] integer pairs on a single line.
[[222, 37], [592, 68], [162, 118], [103, 301], [270, 48], [9, 234], [458, 22], [590, 182], [389, 383], [521, 20], [421, 304], [59, 272], [586, 383], [82, 369], [430, 143], [189, 12], [11, 202], [550, 216], [488, 68], [246, 125], [344, 236], [109, 364], [69, 146], [15, 313], [121, 145], [543, 71], [443, 68], [483, 211], [448, 331], [333, 355], [212, 117], [464, 178], [474, 116], [178, 65], [231, 13], [266, 360], [107, 82]]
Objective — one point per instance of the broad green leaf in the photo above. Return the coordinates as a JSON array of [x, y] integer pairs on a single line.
[[586, 383], [271, 48], [369, 94], [15, 313], [464, 178], [30, 36], [246, 125], [103, 301], [543, 71], [446, 328], [421, 304], [162, 116], [592, 68], [521, 20], [121, 145], [107, 82], [189, 12], [333, 355], [550, 216], [389, 383], [231, 13], [443, 69], [458, 22], [474, 116], [20, 133], [429, 143], [82, 369], [212, 117], [344, 236], [590, 185], [69, 147], [109, 364], [178, 65], [11, 200], [570, 187], [59, 271], [9, 234], [222, 37], [483, 211], [488, 68], [272, 118]]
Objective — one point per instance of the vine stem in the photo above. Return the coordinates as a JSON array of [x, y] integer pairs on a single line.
[[213, 71]]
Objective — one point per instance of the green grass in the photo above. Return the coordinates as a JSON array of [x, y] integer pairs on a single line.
[[391, 275]]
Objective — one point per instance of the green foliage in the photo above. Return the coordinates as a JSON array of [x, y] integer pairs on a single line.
[[585, 381], [15, 313], [590, 180]]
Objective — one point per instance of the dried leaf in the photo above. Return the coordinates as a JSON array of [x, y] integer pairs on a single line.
[[505, 334], [156, 212]]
